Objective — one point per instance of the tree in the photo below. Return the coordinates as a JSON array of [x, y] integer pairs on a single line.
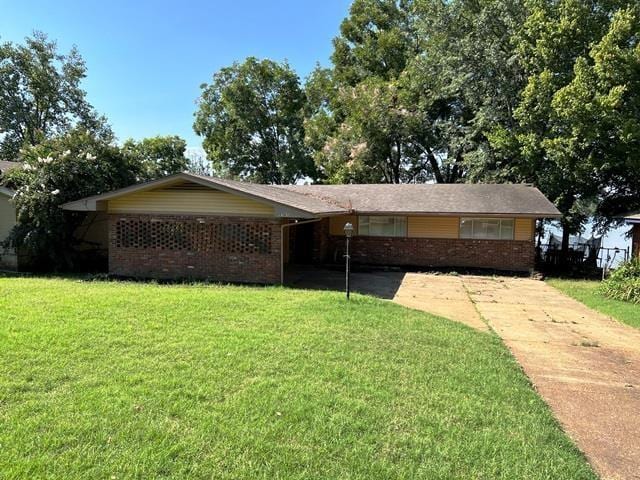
[[251, 118], [377, 39], [157, 156], [59, 170], [601, 110], [357, 121], [415, 85], [40, 95], [469, 76], [555, 143]]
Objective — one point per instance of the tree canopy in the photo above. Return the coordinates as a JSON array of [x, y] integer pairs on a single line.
[[251, 121], [68, 167], [157, 157], [571, 131], [413, 89], [41, 96]]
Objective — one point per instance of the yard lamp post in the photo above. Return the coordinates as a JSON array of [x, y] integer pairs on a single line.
[[348, 232]]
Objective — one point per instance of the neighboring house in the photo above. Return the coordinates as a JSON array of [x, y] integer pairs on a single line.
[[8, 258], [634, 220], [190, 226]]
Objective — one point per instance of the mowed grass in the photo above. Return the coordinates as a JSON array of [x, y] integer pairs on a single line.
[[122, 380], [586, 291]]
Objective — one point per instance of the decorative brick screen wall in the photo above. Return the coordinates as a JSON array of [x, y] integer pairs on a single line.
[[228, 249], [427, 252]]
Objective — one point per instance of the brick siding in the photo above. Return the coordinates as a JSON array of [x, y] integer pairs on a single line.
[[431, 252], [321, 241], [208, 259]]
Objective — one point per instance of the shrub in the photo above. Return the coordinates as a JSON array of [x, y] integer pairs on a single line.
[[72, 166], [624, 282]]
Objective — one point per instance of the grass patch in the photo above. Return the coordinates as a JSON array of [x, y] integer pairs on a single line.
[[122, 380], [588, 292]]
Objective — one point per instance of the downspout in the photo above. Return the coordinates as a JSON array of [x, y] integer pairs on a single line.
[[282, 227]]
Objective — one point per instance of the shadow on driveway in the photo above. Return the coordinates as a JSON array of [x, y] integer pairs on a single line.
[[382, 284]]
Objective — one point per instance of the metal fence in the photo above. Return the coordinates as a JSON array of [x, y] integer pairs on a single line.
[[582, 256]]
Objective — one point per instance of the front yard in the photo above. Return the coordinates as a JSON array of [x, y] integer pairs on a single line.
[[123, 380], [586, 291]]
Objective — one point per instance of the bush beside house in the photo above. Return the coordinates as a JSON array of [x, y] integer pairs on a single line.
[[624, 282]]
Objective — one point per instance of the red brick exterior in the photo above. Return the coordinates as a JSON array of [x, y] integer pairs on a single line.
[[431, 252], [635, 245], [183, 256], [208, 262]]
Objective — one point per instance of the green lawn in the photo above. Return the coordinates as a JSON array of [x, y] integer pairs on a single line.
[[586, 291], [112, 380]]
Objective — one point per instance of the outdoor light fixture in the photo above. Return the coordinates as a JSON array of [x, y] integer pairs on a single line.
[[348, 232]]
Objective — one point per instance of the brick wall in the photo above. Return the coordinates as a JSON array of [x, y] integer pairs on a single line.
[[427, 252], [321, 241], [635, 245], [187, 257]]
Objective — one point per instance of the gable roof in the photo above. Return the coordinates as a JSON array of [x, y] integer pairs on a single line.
[[326, 200], [286, 204]]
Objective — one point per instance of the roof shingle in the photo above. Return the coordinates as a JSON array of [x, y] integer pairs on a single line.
[[319, 200], [476, 199]]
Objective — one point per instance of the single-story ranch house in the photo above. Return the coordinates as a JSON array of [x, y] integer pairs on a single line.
[[191, 226], [8, 258]]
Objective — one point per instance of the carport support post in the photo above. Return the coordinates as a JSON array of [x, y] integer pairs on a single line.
[[348, 231]]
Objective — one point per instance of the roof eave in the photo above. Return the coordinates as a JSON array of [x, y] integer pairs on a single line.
[[458, 214], [98, 202]]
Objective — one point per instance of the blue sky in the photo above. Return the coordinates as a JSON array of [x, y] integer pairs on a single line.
[[147, 59]]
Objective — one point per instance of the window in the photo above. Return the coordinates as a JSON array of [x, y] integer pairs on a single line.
[[379, 226], [487, 228]]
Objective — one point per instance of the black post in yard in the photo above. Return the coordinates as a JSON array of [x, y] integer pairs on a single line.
[[348, 231], [347, 257]]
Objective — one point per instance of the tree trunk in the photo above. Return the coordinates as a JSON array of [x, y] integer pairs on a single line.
[[435, 167]]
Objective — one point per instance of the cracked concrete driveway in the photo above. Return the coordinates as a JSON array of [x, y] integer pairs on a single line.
[[585, 365]]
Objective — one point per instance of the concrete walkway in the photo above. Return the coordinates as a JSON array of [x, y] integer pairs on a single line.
[[585, 365]]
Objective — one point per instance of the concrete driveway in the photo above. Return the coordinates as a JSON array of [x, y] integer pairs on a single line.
[[585, 365]]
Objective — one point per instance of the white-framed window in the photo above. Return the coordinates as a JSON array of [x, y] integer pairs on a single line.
[[487, 228], [382, 226]]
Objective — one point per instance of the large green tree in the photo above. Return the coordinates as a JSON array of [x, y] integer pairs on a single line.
[[66, 168], [469, 77], [251, 119], [357, 121], [413, 89], [157, 156], [40, 95], [600, 113], [563, 138]]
